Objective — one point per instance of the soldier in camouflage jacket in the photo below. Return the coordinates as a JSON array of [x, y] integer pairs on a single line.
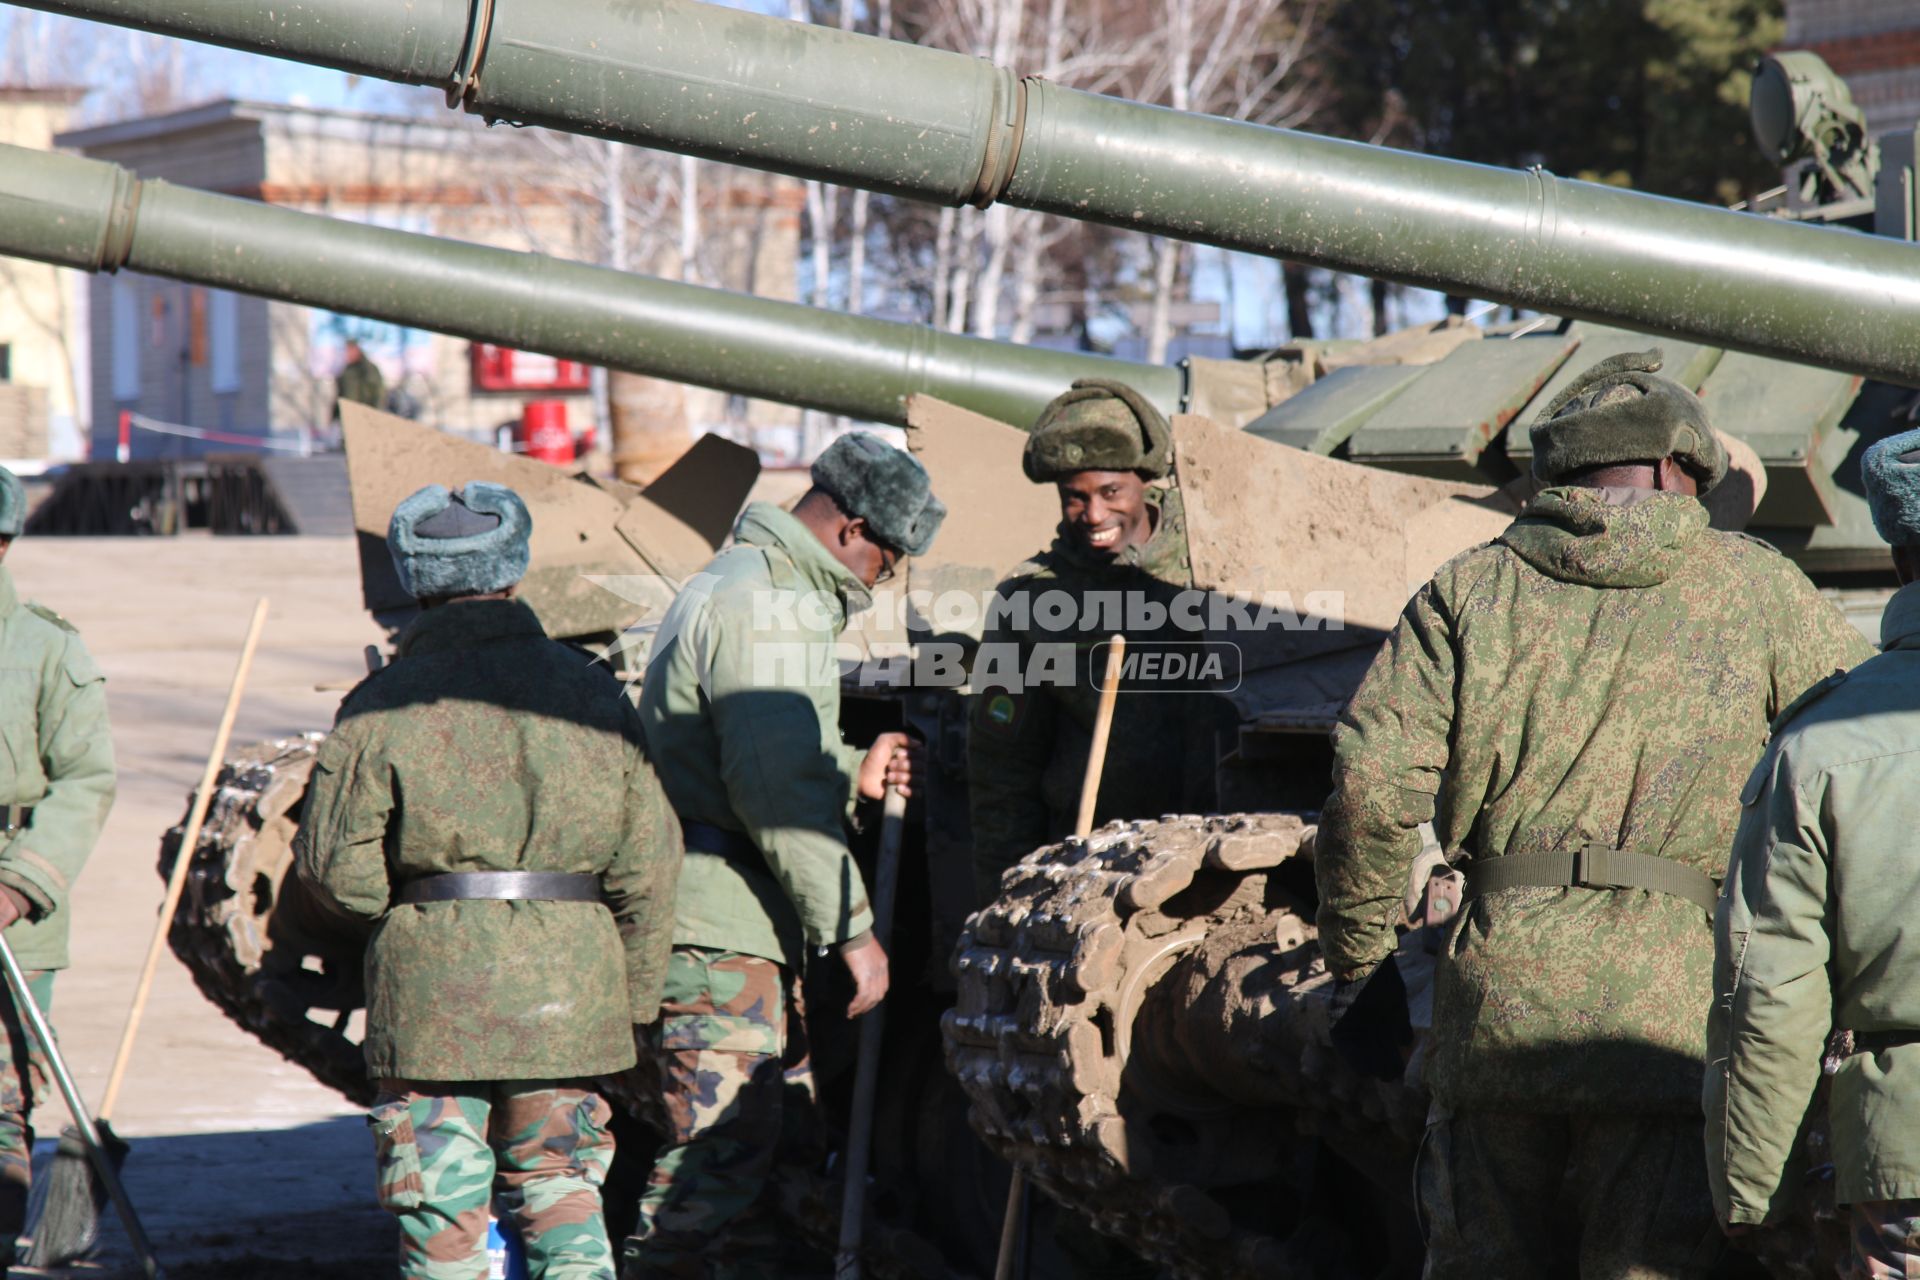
[[56, 786], [483, 753], [1121, 557], [1600, 678]]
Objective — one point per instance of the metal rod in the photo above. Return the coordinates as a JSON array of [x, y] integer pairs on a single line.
[[866, 1079], [82, 1121]]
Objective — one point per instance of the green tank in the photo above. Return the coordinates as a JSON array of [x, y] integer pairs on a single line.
[[1140, 1020]]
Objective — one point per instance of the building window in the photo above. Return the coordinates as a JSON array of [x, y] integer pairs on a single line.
[[223, 336], [6, 362], [126, 341]]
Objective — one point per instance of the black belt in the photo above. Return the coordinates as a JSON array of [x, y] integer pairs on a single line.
[[16, 818], [704, 837], [511, 886], [1881, 1041], [1592, 867]]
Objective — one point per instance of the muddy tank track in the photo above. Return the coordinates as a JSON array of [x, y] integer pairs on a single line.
[[288, 972], [1142, 1026], [1096, 1055]]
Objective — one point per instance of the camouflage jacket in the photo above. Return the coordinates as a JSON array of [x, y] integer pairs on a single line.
[[361, 382], [1814, 933], [485, 746], [741, 704], [1027, 746], [1603, 672], [59, 760]]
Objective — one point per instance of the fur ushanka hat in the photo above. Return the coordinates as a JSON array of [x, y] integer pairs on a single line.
[[1891, 469], [462, 542], [885, 486], [1620, 411], [1099, 425]]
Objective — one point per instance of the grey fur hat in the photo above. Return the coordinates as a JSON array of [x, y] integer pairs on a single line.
[[1891, 469], [463, 542], [1619, 412], [885, 486], [13, 505]]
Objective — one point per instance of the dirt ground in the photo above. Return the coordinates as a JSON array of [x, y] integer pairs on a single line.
[[241, 1166]]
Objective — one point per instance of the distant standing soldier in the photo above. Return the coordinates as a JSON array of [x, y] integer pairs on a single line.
[[486, 803], [1123, 540], [359, 380], [1814, 933], [741, 703], [59, 784], [1575, 705]]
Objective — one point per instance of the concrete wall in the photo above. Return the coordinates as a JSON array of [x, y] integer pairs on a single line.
[[42, 311]]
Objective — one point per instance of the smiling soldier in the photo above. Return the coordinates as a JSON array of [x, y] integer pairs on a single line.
[[1117, 563]]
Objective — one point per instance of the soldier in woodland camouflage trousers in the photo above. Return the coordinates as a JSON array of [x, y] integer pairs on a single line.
[[726, 1070], [440, 1145], [484, 802]]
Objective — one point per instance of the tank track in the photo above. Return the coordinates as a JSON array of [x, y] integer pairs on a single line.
[[1053, 977], [256, 944], [264, 951], [1068, 1080]]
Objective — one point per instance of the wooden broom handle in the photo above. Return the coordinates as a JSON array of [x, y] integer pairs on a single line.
[[1012, 1224], [1102, 729], [189, 841]]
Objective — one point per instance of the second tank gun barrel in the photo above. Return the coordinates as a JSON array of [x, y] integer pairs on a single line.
[[96, 216]]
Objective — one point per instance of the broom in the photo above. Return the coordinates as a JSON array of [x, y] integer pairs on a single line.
[[63, 1213]]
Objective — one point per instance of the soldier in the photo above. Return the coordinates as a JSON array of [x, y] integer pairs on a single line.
[[359, 380], [485, 803], [1575, 705], [1122, 539], [1122, 542], [59, 786], [1813, 932], [741, 704]]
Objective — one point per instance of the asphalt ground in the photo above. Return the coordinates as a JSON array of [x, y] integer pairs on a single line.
[[241, 1164]]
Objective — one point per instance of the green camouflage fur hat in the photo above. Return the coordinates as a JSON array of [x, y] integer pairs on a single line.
[[13, 505], [463, 542], [1891, 469], [885, 486], [1620, 412], [1099, 425]]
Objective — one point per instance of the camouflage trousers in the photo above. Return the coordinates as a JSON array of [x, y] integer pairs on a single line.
[[442, 1148], [23, 1082], [1886, 1239], [1602, 1197], [731, 1055]]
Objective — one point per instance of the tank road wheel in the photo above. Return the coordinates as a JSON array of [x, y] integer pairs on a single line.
[[1142, 1027], [256, 943]]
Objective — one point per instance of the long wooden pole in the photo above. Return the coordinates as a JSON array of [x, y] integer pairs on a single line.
[[1013, 1225], [189, 841]]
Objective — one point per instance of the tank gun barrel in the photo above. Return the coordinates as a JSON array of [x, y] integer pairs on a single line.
[[932, 125], [96, 216]]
